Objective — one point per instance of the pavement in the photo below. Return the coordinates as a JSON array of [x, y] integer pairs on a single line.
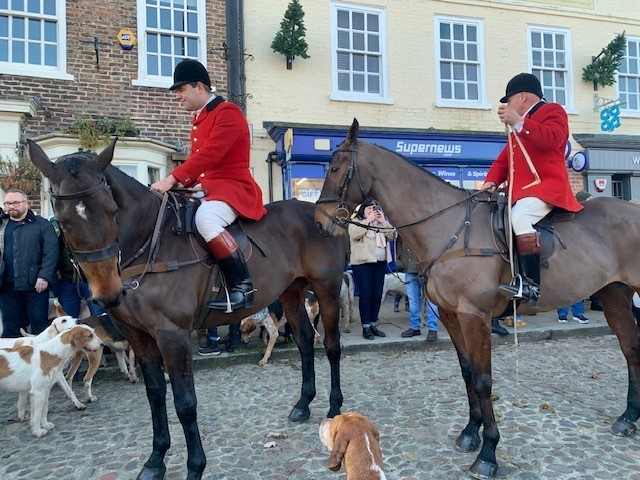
[[541, 326], [554, 402]]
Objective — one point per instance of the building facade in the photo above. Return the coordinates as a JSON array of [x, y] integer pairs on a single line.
[[424, 78], [62, 62]]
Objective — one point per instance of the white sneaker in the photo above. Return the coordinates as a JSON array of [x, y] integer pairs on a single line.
[[562, 319], [581, 319]]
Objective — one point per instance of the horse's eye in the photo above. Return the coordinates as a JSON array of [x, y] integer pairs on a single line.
[[334, 169]]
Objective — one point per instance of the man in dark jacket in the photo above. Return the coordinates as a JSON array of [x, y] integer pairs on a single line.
[[27, 265]]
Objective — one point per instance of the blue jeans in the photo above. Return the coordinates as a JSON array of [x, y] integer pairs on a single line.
[[414, 292], [69, 295], [576, 309], [370, 280], [23, 308]]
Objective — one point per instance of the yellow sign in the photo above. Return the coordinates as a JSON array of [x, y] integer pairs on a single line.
[[126, 39]]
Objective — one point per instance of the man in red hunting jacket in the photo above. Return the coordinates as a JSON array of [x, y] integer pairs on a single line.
[[219, 161], [543, 129]]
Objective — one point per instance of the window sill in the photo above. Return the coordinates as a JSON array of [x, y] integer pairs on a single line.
[[33, 71], [473, 106], [343, 97], [147, 82]]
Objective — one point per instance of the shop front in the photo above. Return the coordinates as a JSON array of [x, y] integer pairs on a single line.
[[304, 153], [611, 164]]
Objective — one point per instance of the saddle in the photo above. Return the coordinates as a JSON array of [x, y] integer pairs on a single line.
[[184, 207], [548, 234]]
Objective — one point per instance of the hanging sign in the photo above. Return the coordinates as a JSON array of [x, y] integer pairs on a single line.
[[126, 39]]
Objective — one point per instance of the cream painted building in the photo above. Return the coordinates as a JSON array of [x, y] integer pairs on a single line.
[[424, 78]]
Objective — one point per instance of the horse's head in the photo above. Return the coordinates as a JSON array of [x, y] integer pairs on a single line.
[[344, 186], [87, 213]]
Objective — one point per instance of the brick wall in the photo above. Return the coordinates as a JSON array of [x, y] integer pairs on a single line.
[[109, 92]]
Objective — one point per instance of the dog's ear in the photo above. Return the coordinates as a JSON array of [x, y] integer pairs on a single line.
[[374, 430], [340, 443]]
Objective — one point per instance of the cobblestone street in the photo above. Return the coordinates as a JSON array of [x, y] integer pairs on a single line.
[[555, 403]]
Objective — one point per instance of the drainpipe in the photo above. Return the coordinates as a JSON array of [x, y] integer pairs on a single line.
[[235, 54]]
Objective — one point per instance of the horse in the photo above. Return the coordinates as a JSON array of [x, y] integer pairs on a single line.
[[107, 215], [450, 231]]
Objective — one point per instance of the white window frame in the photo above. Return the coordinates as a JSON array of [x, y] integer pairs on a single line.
[[383, 96], [161, 81], [58, 72], [625, 111], [481, 103], [569, 106]]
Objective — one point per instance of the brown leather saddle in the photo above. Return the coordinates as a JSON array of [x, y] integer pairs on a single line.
[[548, 234]]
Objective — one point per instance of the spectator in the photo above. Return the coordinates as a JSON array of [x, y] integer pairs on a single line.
[[414, 292], [577, 311], [68, 285], [370, 253], [28, 262]]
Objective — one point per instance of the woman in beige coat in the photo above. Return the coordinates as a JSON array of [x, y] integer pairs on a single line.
[[370, 254]]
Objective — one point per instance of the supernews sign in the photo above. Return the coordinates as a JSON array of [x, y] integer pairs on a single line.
[[438, 149]]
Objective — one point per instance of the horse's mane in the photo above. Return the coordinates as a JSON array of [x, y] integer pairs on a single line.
[[418, 167]]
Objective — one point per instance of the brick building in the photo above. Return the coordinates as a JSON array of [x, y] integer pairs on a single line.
[[62, 61]]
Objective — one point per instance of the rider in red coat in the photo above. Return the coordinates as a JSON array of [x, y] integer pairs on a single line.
[[219, 161], [543, 129]]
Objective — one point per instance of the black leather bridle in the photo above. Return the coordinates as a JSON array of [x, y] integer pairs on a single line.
[[342, 213], [90, 255]]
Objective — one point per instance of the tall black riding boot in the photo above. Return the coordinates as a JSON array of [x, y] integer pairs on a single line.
[[528, 291], [232, 265]]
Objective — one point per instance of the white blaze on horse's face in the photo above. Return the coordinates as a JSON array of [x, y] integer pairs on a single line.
[[81, 210]]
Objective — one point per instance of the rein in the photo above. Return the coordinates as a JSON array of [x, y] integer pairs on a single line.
[[343, 218], [152, 243]]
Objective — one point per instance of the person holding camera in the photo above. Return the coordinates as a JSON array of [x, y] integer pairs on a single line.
[[370, 253]]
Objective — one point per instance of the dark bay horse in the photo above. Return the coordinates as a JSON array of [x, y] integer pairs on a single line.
[[106, 215], [436, 219]]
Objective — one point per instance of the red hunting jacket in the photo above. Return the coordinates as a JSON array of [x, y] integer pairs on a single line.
[[219, 159], [544, 134]]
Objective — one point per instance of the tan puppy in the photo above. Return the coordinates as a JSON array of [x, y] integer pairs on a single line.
[[353, 439], [35, 369]]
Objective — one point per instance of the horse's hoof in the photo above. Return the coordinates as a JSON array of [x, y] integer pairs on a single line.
[[468, 443], [483, 470], [298, 415], [623, 428], [151, 473]]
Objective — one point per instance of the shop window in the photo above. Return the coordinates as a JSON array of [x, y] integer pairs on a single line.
[[550, 61], [306, 181], [170, 31], [621, 187]]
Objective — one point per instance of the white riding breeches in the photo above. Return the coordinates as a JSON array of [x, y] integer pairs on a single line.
[[526, 212], [211, 218]]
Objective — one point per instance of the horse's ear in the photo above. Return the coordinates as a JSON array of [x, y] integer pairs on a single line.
[[40, 159], [104, 158], [352, 136]]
